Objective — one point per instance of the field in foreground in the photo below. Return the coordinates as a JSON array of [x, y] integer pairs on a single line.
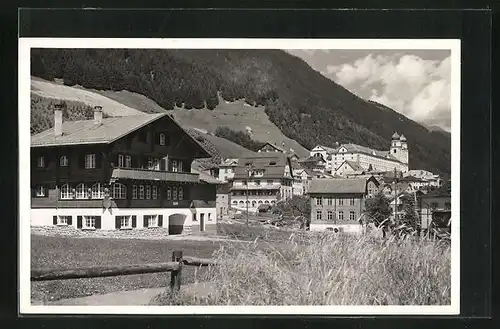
[[67, 252], [327, 271]]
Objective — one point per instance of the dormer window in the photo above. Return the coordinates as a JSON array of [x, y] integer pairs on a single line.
[[40, 162], [63, 161]]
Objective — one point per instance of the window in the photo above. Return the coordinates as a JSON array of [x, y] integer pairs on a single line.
[[330, 201], [341, 215], [81, 191], [141, 191], [202, 217], [330, 215], [352, 216], [128, 161], [89, 221], [152, 220], [119, 191], [269, 182], [134, 192], [169, 193], [209, 217], [351, 201], [148, 192], [63, 220], [40, 162], [174, 166], [318, 215], [162, 139], [181, 193], [153, 164], [154, 192], [66, 192], [175, 193], [89, 161], [194, 218], [319, 201], [121, 161], [40, 191], [63, 161], [97, 191], [125, 221], [341, 202]]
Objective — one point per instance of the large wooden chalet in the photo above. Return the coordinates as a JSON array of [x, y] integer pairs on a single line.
[[127, 172]]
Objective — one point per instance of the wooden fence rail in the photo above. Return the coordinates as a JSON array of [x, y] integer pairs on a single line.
[[175, 267]]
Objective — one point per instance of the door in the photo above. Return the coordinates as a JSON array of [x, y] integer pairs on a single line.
[[202, 222]]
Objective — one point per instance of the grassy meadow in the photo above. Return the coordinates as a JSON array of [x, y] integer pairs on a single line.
[[327, 270]]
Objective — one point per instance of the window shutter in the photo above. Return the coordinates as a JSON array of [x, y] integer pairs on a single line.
[[98, 159], [79, 223], [160, 220], [117, 222], [54, 220], [70, 220], [145, 221], [134, 221], [81, 161], [46, 159], [162, 165], [98, 222], [157, 138]]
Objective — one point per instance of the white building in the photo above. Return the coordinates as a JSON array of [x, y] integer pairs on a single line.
[[365, 158]]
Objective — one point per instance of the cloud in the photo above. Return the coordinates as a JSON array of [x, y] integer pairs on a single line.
[[419, 89]]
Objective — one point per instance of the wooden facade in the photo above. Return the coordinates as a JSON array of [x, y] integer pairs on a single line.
[[148, 168]]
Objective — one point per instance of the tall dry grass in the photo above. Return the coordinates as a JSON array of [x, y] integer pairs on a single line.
[[330, 270]]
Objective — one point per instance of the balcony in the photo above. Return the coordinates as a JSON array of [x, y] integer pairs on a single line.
[[255, 187], [153, 175]]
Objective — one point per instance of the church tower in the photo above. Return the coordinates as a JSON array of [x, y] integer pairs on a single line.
[[404, 149], [399, 148]]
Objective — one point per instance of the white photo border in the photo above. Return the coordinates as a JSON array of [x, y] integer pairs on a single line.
[[24, 238]]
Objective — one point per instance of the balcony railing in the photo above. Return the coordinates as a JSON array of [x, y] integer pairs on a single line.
[[256, 187], [153, 175]]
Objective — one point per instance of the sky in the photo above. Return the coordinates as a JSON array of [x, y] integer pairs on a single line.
[[416, 83]]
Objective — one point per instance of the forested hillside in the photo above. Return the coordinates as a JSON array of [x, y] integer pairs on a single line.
[[304, 104]]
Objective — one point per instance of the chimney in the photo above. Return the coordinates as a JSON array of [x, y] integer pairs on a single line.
[[97, 115], [58, 118]]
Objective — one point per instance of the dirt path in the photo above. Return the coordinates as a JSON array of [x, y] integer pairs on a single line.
[[132, 297]]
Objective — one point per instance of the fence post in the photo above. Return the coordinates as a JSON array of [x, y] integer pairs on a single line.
[[175, 276]]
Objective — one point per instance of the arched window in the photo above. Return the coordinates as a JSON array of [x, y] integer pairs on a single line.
[[97, 191], [267, 202], [119, 191], [235, 202], [260, 201], [241, 203], [66, 192]]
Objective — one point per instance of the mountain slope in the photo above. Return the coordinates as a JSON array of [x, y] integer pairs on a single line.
[[302, 103]]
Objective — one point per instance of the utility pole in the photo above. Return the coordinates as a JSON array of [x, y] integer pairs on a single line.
[[248, 168], [395, 194]]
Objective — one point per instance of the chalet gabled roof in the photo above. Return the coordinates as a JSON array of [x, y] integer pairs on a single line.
[[333, 185], [276, 147], [354, 165], [273, 166], [86, 132]]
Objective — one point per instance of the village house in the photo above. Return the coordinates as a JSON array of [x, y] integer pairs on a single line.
[[338, 204], [429, 179], [435, 207], [262, 179], [369, 159], [271, 147], [128, 172], [225, 170]]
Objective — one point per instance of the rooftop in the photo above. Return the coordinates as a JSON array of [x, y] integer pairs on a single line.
[[87, 132], [328, 185]]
